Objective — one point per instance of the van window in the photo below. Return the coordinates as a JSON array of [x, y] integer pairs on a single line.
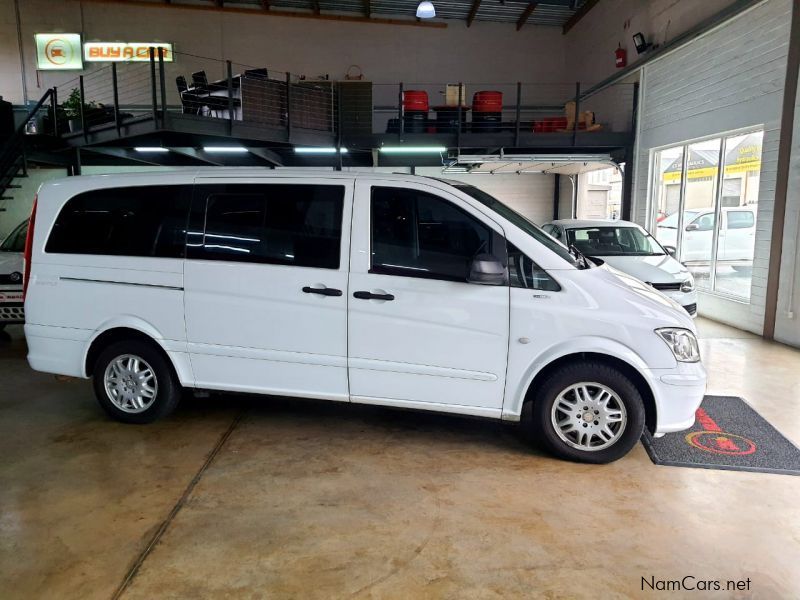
[[128, 221], [416, 234], [298, 225], [524, 273], [741, 219]]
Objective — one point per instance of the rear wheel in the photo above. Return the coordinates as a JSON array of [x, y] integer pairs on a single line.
[[588, 412], [134, 383]]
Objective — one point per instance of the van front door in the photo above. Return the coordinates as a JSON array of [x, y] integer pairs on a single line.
[[419, 334], [265, 283]]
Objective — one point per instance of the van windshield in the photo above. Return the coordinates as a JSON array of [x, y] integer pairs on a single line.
[[517, 219]]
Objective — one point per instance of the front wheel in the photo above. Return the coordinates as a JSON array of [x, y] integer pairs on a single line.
[[134, 382], [588, 412]]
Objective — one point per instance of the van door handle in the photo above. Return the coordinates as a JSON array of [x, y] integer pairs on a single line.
[[370, 296], [322, 291]]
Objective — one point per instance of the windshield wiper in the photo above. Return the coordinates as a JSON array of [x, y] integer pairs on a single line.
[[579, 256]]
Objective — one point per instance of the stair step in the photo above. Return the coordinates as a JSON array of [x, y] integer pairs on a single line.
[[6, 197], [13, 186]]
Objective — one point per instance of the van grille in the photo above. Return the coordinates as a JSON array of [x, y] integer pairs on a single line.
[[14, 313], [672, 287], [691, 309]]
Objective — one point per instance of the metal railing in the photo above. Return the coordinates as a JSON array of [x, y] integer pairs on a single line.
[[286, 103]]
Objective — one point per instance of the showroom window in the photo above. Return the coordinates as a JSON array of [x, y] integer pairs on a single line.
[[709, 214], [415, 234]]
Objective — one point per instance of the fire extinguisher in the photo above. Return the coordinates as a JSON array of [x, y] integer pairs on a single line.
[[621, 56]]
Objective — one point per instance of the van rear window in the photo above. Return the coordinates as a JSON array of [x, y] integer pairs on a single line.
[[129, 221]]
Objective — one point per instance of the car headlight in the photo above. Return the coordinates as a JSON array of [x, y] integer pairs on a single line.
[[682, 342], [688, 285]]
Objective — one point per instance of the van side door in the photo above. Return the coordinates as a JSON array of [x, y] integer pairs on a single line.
[[419, 334], [265, 285]]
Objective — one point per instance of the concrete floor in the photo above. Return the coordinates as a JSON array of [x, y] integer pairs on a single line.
[[267, 498]]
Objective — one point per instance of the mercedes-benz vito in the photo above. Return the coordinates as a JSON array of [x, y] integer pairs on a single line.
[[393, 290]]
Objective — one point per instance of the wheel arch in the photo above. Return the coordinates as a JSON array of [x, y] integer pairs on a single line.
[[134, 331], [625, 367]]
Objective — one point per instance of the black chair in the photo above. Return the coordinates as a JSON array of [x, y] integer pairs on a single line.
[[190, 102], [199, 80], [257, 73]]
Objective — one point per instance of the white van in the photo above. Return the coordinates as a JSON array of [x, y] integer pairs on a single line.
[[394, 290]]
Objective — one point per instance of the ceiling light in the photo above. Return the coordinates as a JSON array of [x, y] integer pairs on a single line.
[[150, 149], [318, 150], [413, 149], [224, 149], [425, 10]]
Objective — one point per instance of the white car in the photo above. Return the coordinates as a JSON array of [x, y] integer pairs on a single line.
[[393, 290], [11, 269], [737, 235], [631, 249]]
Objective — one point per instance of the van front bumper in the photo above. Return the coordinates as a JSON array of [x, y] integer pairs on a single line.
[[678, 393]]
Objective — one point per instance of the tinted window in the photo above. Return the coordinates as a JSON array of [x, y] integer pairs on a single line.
[[517, 219], [524, 273], [416, 234], [15, 242], [131, 221], [740, 219], [297, 225]]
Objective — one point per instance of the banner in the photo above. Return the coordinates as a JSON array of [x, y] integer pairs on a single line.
[[124, 51]]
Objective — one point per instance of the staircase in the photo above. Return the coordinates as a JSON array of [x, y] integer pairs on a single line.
[[13, 159]]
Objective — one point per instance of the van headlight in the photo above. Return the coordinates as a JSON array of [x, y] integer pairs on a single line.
[[682, 342], [688, 285]]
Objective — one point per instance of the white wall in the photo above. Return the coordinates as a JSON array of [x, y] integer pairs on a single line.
[[10, 79], [591, 43], [386, 53], [787, 322], [731, 78]]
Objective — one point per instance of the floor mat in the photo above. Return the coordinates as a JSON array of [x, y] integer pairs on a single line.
[[727, 434]]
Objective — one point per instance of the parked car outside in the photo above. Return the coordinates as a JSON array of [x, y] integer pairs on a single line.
[[631, 249], [737, 235], [392, 290], [11, 270]]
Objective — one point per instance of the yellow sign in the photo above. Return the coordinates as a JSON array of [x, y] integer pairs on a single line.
[[58, 51], [124, 51], [706, 172]]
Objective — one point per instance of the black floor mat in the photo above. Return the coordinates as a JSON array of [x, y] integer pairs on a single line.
[[727, 434]]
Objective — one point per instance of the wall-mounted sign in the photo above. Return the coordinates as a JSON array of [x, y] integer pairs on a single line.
[[123, 51], [58, 51]]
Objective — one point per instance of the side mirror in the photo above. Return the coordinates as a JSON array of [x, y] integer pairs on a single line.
[[671, 250], [487, 270], [692, 227]]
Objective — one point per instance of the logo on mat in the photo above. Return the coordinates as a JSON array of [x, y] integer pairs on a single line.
[[712, 439]]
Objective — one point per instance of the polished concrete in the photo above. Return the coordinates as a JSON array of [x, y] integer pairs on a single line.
[[269, 498]]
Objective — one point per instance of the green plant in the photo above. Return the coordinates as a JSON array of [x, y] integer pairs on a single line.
[[72, 105]]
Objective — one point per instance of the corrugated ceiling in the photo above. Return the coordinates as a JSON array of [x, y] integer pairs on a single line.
[[547, 12]]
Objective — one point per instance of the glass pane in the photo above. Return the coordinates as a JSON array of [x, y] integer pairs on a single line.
[[739, 214], [699, 210], [667, 194], [415, 234]]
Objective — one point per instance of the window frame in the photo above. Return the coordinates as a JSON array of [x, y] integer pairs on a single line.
[[186, 189], [652, 204], [498, 237], [204, 189]]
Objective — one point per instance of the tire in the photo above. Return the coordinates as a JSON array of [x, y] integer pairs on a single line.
[[123, 396], [623, 414]]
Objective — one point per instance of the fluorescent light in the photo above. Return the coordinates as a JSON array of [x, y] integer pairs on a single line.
[[224, 149], [318, 150], [150, 149], [426, 10], [413, 149]]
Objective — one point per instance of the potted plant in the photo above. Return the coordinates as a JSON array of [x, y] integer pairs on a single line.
[[72, 109]]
